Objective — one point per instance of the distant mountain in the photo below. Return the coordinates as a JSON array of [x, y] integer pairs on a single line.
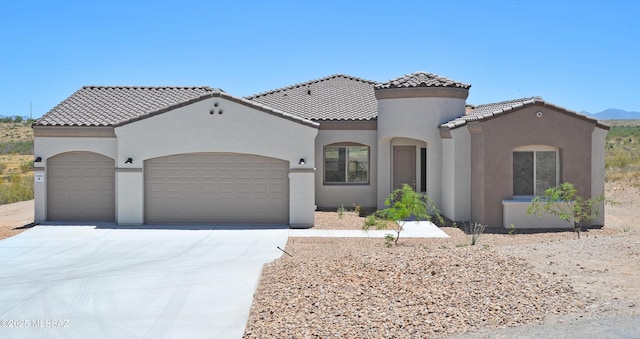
[[613, 114]]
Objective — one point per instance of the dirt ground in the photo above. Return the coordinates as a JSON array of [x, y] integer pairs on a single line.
[[15, 218]]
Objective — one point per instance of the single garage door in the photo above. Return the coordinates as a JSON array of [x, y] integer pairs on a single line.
[[216, 188], [81, 186]]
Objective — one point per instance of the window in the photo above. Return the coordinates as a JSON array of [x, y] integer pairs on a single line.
[[535, 169], [346, 164]]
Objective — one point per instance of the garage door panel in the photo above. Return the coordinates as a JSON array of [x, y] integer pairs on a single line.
[[216, 188], [81, 186], [277, 188]]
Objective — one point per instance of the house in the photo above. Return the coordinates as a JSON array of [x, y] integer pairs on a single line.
[[138, 155]]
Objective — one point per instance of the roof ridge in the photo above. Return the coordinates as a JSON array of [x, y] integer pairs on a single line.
[[412, 80], [306, 83], [146, 87], [506, 102]]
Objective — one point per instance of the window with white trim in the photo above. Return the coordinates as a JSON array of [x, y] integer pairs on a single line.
[[535, 169], [346, 164]]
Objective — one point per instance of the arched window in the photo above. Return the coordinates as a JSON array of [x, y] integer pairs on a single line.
[[535, 168], [346, 163]]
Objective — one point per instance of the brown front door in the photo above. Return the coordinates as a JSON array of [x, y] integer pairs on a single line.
[[404, 166]]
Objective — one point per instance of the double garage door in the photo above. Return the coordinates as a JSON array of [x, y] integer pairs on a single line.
[[185, 188], [216, 188]]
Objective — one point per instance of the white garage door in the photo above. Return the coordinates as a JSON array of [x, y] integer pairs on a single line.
[[216, 188], [81, 186]]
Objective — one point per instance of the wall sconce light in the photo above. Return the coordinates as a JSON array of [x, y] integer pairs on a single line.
[[302, 162], [129, 161], [38, 159]]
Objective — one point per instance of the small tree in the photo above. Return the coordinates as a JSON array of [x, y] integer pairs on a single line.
[[402, 204], [564, 202]]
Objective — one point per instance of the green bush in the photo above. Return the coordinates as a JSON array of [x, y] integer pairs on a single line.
[[402, 204], [564, 202], [17, 188]]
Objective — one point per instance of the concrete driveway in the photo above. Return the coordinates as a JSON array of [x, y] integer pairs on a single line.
[[104, 281]]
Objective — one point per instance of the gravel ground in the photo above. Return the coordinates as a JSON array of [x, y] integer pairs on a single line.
[[357, 288]]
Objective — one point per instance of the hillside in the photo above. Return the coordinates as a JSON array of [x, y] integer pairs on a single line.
[[16, 161], [613, 114]]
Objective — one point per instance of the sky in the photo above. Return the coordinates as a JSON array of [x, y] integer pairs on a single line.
[[581, 55]]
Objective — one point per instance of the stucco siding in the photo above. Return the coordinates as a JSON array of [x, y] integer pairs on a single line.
[[414, 118], [239, 129], [192, 129], [456, 176], [493, 182], [329, 196], [598, 171]]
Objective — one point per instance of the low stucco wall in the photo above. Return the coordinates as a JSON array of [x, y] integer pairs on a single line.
[[515, 213]]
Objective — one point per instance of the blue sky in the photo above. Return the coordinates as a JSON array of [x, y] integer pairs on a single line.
[[582, 55]]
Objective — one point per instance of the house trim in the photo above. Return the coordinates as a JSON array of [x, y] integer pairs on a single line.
[[74, 131], [422, 92], [128, 170], [350, 125]]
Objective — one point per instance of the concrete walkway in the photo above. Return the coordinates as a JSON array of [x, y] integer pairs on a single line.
[[103, 281], [412, 229]]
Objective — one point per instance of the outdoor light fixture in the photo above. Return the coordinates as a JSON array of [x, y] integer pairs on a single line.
[[129, 161], [301, 162], [38, 159]]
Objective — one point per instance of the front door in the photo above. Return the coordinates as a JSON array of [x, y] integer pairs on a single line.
[[404, 166]]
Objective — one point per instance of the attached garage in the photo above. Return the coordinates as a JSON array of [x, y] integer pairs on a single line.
[[81, 186], [173, 155], [216, 188]]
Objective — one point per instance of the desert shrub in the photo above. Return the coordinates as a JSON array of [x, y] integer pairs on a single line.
[[474, 230], [26, 166], [564, 202], [2, 167], [402, 204], [16, 147], [16, 188], [622, 154]]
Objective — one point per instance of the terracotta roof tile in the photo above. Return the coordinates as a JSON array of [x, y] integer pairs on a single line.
[[421, 79], [336, 97], [114, 105]]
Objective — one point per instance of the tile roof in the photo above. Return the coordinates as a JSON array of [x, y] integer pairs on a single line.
[[421, 79], [336, 97], [487, 111], [115, 105]]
